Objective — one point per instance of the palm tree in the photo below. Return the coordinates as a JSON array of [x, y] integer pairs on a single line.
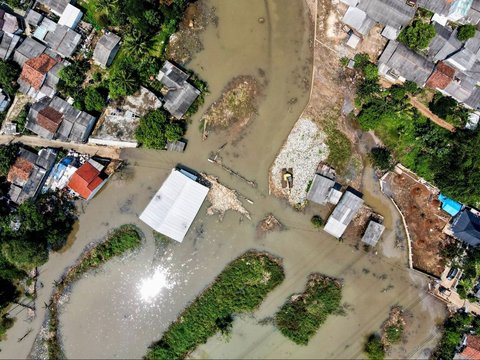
[[137, 43]]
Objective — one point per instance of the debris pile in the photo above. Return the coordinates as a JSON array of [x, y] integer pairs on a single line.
[[268, 224]]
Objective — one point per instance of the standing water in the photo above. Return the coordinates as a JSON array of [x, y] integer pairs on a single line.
[[121, 309]]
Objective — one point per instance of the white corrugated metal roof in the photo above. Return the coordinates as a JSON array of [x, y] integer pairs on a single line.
[[70, 17], [334, 227], [174, 206]]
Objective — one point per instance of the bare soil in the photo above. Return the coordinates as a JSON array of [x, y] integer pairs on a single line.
[[268, 224], [419, 205]]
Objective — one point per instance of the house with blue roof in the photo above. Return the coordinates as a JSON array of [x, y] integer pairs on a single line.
[[450, 206]]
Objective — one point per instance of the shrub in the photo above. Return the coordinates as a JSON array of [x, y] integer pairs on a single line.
[[317, 221], [155, 130], [381, 158], [374, 348], [394, 333], [466, 32], [411, 87], [94, 100], [449, 109], [9, 73], [418, 35], [361, 60], [8, 154]]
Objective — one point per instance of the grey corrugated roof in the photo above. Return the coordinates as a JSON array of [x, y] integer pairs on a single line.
[[320, 189], [7, 45], [444, 44], [406, 62], [373, 233], [106, 46], [57, 6], [395, 13], [473, 16], [33, 17], [437, 6], [63, 40], [358, 20], [466, 227], [27, 50], [343, 214], [171, 76]]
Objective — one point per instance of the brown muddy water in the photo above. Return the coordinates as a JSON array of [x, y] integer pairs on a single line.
[[113, 313]]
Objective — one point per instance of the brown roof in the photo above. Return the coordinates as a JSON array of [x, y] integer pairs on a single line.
[[20, 170], [472, 349], [34, 70], [50, 119], [441, 77]]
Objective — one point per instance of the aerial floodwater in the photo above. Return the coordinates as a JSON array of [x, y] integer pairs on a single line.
[[119, 310]]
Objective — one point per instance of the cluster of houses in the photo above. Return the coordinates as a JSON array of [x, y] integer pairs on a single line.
[[36, 173], [43, 42], [447, 65]]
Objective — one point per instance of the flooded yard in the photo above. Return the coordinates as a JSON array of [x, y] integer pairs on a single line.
[[119, 310]]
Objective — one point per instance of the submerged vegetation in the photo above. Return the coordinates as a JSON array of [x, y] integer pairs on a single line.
[[302, 315], [121, 240], [241, 287]]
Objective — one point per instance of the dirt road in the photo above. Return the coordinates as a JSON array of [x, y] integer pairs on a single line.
[[426, 111], [104, 151]]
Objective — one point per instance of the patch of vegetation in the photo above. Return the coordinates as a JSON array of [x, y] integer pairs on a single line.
[[470, 265], [21, 119], [155, 129], [317, 221], [466, 32], [417, 35], [381, 158], [8, 154], [72, 78], [394, 333], [241, 287], [301, 316], [118, 242], [452, 332], [374, 348], [449, 109], [5, 324], [340, 149], [9, 73]]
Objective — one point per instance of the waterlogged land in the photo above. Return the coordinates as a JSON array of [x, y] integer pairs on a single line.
[[130, 303]]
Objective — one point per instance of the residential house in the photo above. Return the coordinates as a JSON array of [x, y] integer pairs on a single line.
[[180, 95], [470, 348], [393, 13], [40, 76], [28, 49], [106, 49], [4, 101], [399, 63], [358, 20], [473, 16], [9, 23], [344, 212], [324, 190], [441, 77], [29, 172], [373, 233], [117, 125], [450, 206], [88, 179], [33, 18], [443, 44], [71, 16], [54, 118], [60, 38], [448, 10], [55, 6], [8, 44], [466, 227]]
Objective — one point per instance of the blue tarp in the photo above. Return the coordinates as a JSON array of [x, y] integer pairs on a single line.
[[450, 206]]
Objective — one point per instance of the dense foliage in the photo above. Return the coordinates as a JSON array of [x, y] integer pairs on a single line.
[[466, 32], [94, 100], [241, 287], [381, 158], [374, 348], [417, 35], [470, 266], [8, 154], [72, 78], [317, 221], [453, 329], [447, 159], [300, 317], [9, 73], [155, 129], [449, 109]]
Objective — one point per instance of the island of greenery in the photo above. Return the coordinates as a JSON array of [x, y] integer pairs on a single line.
[[302, 315], [118, 242], [241, 287]]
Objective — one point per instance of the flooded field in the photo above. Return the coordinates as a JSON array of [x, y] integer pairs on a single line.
[[119, 310]]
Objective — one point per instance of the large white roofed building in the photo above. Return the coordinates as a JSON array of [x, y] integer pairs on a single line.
[[175, 205]]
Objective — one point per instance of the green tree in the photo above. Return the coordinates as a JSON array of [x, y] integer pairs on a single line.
[[361, 60], [72, 78], [25, 253], [9, 73], [8, 293], [94, 100], [8, 154], [137, 43], [418, 35], [381, 158], [155, 129], [317, 221], [123, 81], [466, 32], [374, 348]]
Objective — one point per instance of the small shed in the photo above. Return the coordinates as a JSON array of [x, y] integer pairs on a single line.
[[373, 233], [106, 49], [174, 207], [450, 206], [178, 146], [71, 16], [353, 40], [347, 208], [390, 32], [358, 20], [324, 190]]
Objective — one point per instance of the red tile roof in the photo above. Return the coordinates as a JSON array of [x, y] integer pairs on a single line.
[[85, 180], [441, 77], [50, 119], [21, 170], [472, 349], [34, 70]]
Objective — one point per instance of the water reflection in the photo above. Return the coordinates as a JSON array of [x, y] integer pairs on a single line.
[[150, 288]]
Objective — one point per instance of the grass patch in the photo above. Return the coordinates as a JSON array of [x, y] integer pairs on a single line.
[[118, 242], [393, 333], [241, 287], [374, 348], [302, 315], [340, 149]]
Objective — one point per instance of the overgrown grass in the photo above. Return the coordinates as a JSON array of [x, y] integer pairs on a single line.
[[118, 242], [394, 333], [374, 348], [301, 317], [340, 149], [241, 287]]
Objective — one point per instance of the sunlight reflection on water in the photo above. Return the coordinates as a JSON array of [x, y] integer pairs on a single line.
[[149, 288]]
